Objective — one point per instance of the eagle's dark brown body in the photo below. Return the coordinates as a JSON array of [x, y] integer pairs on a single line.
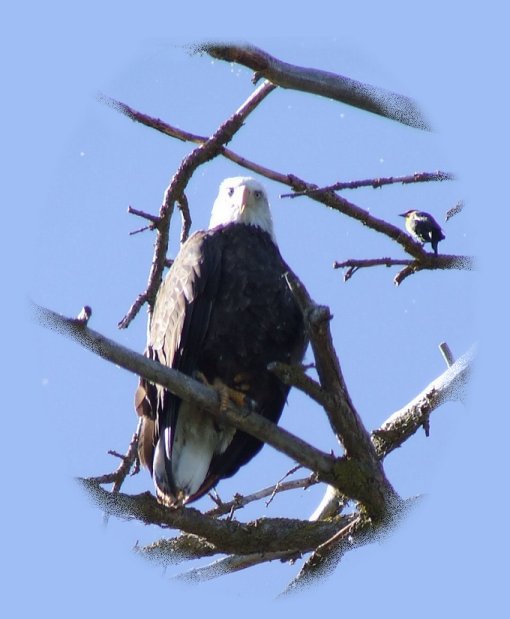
[[225, 312]]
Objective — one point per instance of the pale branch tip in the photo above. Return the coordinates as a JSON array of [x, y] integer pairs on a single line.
[[84, 315], [447, 354]]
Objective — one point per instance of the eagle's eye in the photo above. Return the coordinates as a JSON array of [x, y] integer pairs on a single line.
[[257, 194], [230, 191]]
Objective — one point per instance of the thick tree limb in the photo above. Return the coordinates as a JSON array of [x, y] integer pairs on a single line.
[[204, 396], [323, 83], [185, 547], [358, 475], [373, 489], [227, 536]]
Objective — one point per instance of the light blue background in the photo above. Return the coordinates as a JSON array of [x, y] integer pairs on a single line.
[[70, 168]]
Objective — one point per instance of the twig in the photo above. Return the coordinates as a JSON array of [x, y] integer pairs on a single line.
[[333, 86], [417, 177], [154, 219], [175, 191], [280, 482], [128, 459], [455, 210], [239, 501], [354, 265]]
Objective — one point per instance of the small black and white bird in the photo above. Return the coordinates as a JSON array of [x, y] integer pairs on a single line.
[[423, 227], [223, 313]]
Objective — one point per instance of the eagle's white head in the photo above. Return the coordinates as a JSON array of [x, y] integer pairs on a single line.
[[242, 200]]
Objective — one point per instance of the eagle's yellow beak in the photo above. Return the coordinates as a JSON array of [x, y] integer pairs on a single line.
[[245, 194]]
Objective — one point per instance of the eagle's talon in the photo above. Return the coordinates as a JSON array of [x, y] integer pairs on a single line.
[[227, 394]]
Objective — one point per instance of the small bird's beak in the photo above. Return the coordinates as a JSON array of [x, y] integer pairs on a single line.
[[402, 214]]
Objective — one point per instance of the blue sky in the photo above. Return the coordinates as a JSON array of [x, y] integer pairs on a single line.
[[72, 166]]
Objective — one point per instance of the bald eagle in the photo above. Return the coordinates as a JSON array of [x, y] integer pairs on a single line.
[[223, 313]]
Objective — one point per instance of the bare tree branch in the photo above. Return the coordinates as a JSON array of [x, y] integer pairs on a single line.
[[331, 85], [429, 261], [402, 424], [204, 396], [295, 376], [185, 547], [235, 563], [152, 218], [239, 501], [227, 536], [417, 177], [373, 490]]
